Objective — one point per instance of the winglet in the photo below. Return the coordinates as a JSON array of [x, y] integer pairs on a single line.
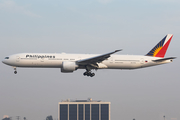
[[117, 50], [160, 49]]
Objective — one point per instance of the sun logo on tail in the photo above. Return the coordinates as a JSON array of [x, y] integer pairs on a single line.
[[156, 51], [160, 49]]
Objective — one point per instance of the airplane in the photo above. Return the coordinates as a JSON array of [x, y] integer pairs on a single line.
[[68, 63]]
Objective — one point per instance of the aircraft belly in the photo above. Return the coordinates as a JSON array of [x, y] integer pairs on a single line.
[[124, 65]]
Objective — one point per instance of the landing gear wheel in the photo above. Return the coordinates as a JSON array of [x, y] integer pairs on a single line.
[[85, 73], [15, 72], [92, 74], [88, 74]]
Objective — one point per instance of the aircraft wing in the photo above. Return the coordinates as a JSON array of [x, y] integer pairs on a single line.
[[163, 59], [96, 59]]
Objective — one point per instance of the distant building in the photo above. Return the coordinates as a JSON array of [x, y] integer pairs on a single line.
[[6, 119], [83, 110], [49, 118]]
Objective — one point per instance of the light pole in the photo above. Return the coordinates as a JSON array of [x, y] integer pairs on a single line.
[[164, 117]]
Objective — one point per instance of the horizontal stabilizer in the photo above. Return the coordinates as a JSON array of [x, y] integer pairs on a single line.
[[163, 59]]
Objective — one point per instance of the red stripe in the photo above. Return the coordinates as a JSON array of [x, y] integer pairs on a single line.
[[163, 50]]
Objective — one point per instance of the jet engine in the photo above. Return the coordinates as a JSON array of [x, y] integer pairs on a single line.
[[68, 66]]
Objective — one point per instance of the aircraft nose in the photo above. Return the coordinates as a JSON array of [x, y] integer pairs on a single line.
[[3, 61]]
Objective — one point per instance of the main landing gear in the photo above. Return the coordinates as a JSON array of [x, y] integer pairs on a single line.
[[15, 72], [88, 73]]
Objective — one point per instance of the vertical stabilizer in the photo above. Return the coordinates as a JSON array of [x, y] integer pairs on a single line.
[[160, 49]]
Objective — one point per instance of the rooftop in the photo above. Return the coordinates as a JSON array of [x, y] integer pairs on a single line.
[[88, 100]]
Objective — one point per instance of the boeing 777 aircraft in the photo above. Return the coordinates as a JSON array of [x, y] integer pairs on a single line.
[[71, 62]]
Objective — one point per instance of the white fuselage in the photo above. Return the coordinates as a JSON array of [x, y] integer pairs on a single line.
[[49, 60]]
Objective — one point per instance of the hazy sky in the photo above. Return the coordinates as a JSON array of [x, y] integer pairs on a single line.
[[90, 26]]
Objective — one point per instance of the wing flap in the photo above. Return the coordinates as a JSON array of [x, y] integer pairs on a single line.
[[96, 59]]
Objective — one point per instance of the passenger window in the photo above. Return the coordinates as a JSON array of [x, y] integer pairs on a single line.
[[6, 57]]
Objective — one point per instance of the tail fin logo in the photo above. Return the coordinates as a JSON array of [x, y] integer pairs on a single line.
[[160, 49]]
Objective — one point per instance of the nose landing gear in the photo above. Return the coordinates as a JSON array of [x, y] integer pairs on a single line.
[[15, 72]]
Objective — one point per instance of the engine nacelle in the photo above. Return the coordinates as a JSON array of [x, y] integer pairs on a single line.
[[68, 66]]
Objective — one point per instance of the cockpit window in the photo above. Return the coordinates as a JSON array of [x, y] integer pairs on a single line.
[[6, 57]]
